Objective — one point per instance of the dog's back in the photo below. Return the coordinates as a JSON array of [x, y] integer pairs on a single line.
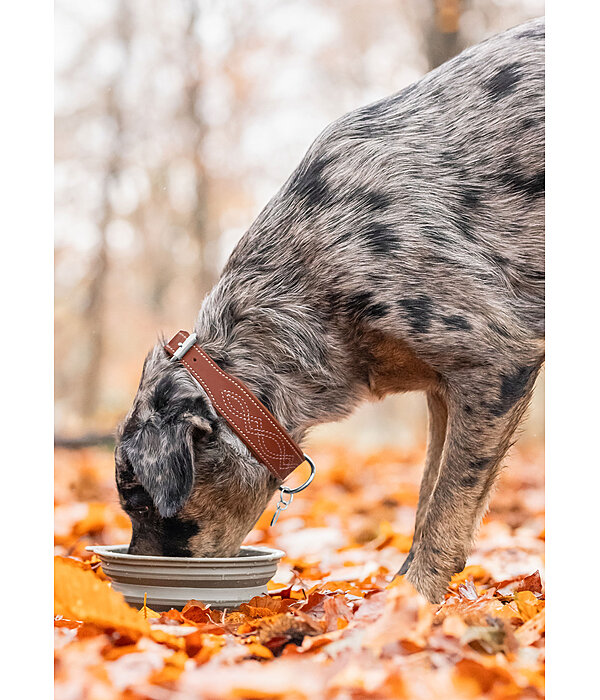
[[431, 200]]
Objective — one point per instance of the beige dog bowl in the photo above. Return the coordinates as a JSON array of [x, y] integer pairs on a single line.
[[170, 582]]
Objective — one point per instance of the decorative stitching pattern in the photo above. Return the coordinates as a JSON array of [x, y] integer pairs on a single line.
[[253, 426], [243, 421]]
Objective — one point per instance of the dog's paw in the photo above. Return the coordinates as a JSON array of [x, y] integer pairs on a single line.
[[430, 575], [431, 587]]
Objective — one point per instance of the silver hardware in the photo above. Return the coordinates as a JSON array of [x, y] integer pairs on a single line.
[[282, 504], [184, 347]]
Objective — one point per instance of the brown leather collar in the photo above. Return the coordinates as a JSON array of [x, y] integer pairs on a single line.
[[254, 424]]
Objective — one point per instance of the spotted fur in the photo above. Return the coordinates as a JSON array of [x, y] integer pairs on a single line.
[[405, 252]]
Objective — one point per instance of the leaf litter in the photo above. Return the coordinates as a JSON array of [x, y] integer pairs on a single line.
[[335, 623]]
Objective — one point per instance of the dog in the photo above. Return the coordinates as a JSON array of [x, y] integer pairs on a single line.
[[405, 253]]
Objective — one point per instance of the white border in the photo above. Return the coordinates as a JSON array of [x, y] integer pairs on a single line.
[[27, 352], [572, 380], [572, 416]]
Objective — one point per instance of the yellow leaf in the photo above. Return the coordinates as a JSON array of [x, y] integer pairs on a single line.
[[528, 605], [147, 612], [80, 595], [475, 572], [259, 650]]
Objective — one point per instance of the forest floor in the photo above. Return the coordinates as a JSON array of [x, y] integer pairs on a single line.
[[335, 624]]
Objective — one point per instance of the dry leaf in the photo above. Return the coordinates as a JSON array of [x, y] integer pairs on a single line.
[[528, 604], [336, 624], [532, 630], [80, 595]]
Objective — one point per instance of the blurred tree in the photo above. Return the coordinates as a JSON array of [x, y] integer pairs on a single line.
[[438, 25], [443, 36], [175, 123], [95, 306], [199, 228]]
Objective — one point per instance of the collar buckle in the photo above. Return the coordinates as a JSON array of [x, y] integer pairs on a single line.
[[184, 347]]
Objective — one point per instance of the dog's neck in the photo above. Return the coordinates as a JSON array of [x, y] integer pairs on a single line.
[[293, 364]]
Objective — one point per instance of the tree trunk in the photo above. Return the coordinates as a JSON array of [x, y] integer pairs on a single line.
[[443, 39], [204, 277], [94, 310]]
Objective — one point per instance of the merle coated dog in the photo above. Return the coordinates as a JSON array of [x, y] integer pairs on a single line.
[[405, 253]]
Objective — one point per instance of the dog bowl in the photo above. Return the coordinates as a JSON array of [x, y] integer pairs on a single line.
[[170, 582]]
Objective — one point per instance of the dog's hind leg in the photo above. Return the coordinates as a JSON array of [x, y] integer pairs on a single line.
[[438, 418], [483, 413]]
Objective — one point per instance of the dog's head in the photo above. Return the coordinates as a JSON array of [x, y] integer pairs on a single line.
[[188, 484]]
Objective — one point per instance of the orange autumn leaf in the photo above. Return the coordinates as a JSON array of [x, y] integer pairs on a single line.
[[473, 612], [69, 624], [170, 640], [330, 587], [194, 642], [111, 653], [528, 605], [172, 615], [389, 537], [532, 629], [532, 582], [173, 668], [147, 612], [258, 650], [337, 612], [334, 604], [211, 645], [195, 611], [473, 572], [265, 606], [454, 626], [165, 676], [253, 612], [80, 595], [474, 678]]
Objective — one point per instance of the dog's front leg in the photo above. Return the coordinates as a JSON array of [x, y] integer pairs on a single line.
[[438, 417], [478, 435]]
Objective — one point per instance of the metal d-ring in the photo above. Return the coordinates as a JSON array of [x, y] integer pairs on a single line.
[[283, 503], [313, 471]]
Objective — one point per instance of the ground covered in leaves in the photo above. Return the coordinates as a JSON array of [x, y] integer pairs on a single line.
[[334, 624]]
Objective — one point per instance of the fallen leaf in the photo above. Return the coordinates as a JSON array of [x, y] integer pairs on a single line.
[[80, 595], [472, 573], [532, 582], [532, 629], [528, 604], [258, 651], [335, 623], [476, 678], [195, 611], [281, 629]]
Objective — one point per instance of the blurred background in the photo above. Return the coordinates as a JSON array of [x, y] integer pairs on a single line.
[[175, 124]]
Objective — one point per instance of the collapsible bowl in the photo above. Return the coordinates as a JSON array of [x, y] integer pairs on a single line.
[[170, 582]]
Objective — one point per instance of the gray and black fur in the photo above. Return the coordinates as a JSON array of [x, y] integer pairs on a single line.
[[406, 252]]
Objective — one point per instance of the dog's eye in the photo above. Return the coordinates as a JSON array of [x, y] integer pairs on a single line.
[[137, 512], [135, 501]]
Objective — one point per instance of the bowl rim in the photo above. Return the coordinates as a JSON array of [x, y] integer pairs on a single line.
[[108, 550]]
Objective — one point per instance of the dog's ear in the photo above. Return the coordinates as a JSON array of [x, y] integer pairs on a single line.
[[161, 454]]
